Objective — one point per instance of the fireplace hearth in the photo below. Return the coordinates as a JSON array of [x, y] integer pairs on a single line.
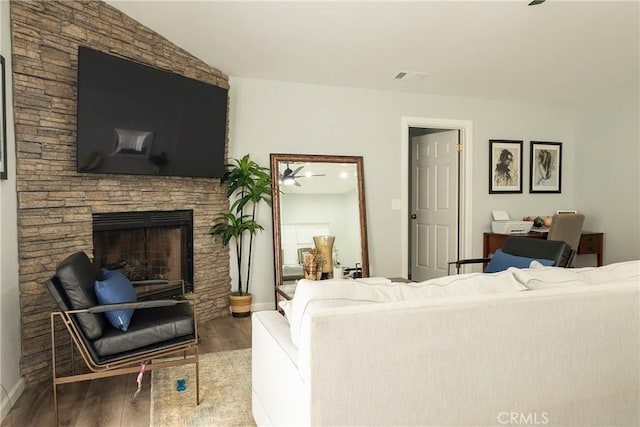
[[152, 248]]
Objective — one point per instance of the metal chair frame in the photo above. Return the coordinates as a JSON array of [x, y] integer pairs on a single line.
[[126, 365]]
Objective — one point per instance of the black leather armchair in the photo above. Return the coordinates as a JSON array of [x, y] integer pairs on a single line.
[[158, 328], [559, 252]]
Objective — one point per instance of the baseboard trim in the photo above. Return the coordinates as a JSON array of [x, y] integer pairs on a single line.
[[6, 402]]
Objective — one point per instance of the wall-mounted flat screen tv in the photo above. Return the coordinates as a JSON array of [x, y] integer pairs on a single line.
[[135, 119]]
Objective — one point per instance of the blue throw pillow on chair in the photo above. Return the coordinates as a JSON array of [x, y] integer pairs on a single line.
[[500, 261], [115, 288]]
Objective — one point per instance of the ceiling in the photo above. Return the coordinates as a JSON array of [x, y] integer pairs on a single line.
[[321, 178], [559, 52]]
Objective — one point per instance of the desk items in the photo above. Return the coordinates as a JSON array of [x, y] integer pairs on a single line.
[[503, 224]]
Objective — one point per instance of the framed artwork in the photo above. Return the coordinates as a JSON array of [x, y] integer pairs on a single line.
[[3, 122], [505, 166], [545, 173]]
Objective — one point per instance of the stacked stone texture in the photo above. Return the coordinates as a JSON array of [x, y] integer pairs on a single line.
[[55, 203]]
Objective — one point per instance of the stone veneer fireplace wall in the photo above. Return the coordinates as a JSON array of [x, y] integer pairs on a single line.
[[55, 203]]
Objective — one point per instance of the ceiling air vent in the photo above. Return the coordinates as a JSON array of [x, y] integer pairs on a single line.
[[410, 75]]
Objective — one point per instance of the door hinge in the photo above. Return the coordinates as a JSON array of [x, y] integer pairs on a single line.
[[458, 147]]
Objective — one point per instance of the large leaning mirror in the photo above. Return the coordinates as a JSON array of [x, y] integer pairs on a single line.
[[317, 195]]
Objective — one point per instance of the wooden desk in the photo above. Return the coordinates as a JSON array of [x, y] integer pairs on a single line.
[[590, 243]]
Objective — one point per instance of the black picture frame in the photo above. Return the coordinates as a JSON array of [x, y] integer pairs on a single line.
[[545, 167], [3, 121], [505, 166]]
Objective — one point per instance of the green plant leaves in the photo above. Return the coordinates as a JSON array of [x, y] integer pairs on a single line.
[[248, 185], [229, 226]]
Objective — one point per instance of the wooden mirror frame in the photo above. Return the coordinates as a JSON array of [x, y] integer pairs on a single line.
[[275, 206]]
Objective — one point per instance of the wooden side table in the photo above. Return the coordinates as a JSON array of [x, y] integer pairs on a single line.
[[590, 243]]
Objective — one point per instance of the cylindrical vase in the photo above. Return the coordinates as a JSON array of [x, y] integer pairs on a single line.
[[324, 245]]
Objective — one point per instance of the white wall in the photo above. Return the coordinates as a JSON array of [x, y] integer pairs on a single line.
[[12, 383], [607, 169], [281, 117]]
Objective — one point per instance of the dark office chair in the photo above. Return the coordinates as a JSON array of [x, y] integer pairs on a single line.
[[520, 251], [157, 328]]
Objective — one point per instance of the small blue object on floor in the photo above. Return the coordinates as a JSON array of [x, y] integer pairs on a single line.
[[181, 385]]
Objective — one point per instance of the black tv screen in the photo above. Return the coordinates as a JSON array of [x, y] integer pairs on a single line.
[[135, 119]]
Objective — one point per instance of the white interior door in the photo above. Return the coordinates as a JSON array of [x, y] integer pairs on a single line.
[[434, 210]]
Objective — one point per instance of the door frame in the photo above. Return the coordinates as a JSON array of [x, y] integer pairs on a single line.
[[466, 188]]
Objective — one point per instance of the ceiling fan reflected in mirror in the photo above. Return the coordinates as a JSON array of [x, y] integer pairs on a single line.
[[290, 176], [536, 2]]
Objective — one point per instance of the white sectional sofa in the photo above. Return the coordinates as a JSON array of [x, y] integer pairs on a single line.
[[547, 346]]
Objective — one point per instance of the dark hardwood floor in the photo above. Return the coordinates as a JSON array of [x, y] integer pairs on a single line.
[[108, 402]]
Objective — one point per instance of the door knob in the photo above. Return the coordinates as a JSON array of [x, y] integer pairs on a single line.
[[414, 216]]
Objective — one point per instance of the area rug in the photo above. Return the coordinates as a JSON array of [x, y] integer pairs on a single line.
[[225, 392]]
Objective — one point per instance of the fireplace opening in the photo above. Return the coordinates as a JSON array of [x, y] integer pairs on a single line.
[[154, 249]]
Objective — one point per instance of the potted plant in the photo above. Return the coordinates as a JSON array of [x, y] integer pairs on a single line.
[[248, 184]]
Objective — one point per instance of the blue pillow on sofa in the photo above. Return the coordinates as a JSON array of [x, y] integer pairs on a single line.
[[500, 261], [115, 288]]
